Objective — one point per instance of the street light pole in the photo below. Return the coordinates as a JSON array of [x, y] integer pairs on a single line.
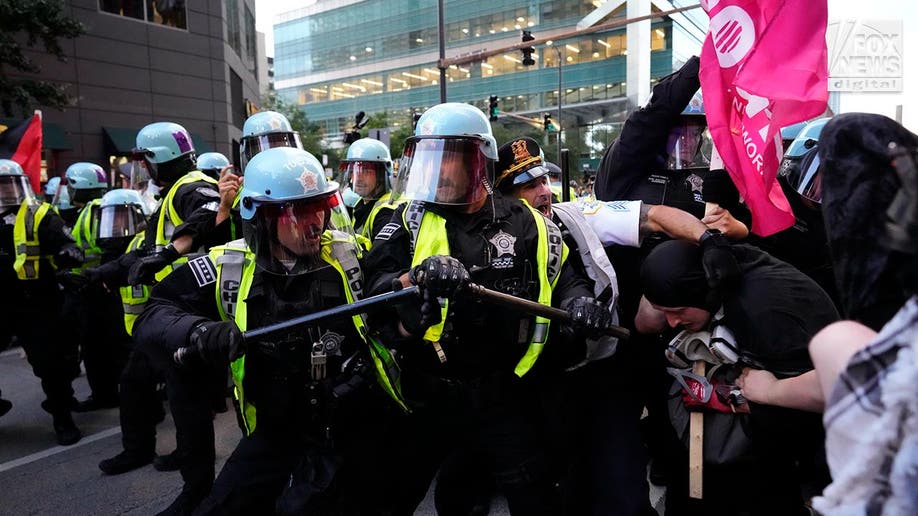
[[442, 43]]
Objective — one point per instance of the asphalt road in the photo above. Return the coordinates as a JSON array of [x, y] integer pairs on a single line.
[[39, 477]]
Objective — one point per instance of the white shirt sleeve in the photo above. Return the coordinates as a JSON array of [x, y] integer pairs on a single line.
[[615, 222]]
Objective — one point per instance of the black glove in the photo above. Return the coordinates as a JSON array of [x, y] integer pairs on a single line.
[[69, 256], [77, 282], [439, 276], [216, 341], [720, 267], [144, 270], [589, 318]]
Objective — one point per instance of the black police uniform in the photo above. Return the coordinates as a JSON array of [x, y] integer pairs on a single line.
[[474, 399], [302, 428], [32, 309], [361, 212]]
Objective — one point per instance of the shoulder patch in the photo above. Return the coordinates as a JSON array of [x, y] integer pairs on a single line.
[[207, 191], [386, 232], [203, 269]]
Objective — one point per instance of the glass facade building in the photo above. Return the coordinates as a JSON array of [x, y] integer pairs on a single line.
[[338, 57]]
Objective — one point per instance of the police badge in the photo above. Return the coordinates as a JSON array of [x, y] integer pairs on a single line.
[[504, 243]]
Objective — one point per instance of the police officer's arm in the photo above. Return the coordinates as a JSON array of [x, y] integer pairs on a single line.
[[644, 134], [183, 300], [382, 218], [56, 241], [197, 204]]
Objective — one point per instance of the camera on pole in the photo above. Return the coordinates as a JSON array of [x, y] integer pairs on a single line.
[[527, 51], [492, 108]]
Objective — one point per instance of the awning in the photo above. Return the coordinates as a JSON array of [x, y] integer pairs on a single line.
[[53, 136], [120, 141]]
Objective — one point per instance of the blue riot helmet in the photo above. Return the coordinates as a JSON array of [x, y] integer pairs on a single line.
[[289, 210], [450, 159], [51, 188], [121, 218], [266, 130], [800, 165], [211, 163], [164, 152], [689, 143], [367, 168], [85, 182], [14, 185]]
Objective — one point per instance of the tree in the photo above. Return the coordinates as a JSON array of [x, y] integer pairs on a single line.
[[32, 20], [310, 132]]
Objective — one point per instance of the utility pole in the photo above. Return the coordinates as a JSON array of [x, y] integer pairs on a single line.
[[442, 44]]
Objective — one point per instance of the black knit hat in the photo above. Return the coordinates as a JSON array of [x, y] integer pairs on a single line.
[[519, 161], [672, 276]]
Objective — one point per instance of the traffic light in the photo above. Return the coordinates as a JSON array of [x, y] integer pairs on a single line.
[[546, 123], [492, 108], [527, 51]]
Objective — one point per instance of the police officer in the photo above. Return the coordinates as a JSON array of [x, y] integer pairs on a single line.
[[294, 260], [212, 163], [165, 155], [266, 130], [367, 171], [469, 385], [60, 200], [91, 310], [32, 241]]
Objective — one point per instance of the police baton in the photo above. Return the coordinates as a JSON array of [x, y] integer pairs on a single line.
[[534, 308], [348, 310]]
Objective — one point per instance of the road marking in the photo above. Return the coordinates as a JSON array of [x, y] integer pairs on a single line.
[[6, 466]]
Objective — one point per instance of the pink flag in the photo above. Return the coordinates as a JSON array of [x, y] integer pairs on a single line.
[[763, 66]]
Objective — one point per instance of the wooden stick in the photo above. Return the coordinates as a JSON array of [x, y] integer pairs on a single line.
[[696, 444]]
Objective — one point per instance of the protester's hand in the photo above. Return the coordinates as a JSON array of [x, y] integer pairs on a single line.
[[588, 317], [70, 256], [439, 276], [720, 266], [228, 185], [143, 271], [756, 385], [722, 220], [216, 341], [72, 282]]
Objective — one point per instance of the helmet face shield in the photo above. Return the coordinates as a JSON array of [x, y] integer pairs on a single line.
[[252, 145], [14, 189], [287, 237], [689, 144], [368, 179], [140, 173], [122, 220], [807, 180], [444, 170]]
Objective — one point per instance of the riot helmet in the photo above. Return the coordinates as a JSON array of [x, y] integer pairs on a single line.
[[211, 163], [85, 182], [164, 152], [121, 218], [450, 159], [689, 143], [51, 188], [289, 210], [14, 185], [800, 166], [367, 168], [266, 130]]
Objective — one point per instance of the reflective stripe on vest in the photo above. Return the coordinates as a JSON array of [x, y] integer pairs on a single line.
[[133, 299], [169, 219], [25, 238], [235, 266], [85, 232], [428, 238], [382, 203]]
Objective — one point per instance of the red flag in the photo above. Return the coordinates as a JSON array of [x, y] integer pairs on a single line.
[[763, 66], [22, 144]]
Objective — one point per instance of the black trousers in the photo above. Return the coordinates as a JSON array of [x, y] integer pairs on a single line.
[[496, 414], [35, 318], [141, 407], [97, 322]]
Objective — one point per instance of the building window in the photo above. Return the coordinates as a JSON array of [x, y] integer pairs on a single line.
[[161, 12], [237, 99], [250, 40], [233, 35]]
